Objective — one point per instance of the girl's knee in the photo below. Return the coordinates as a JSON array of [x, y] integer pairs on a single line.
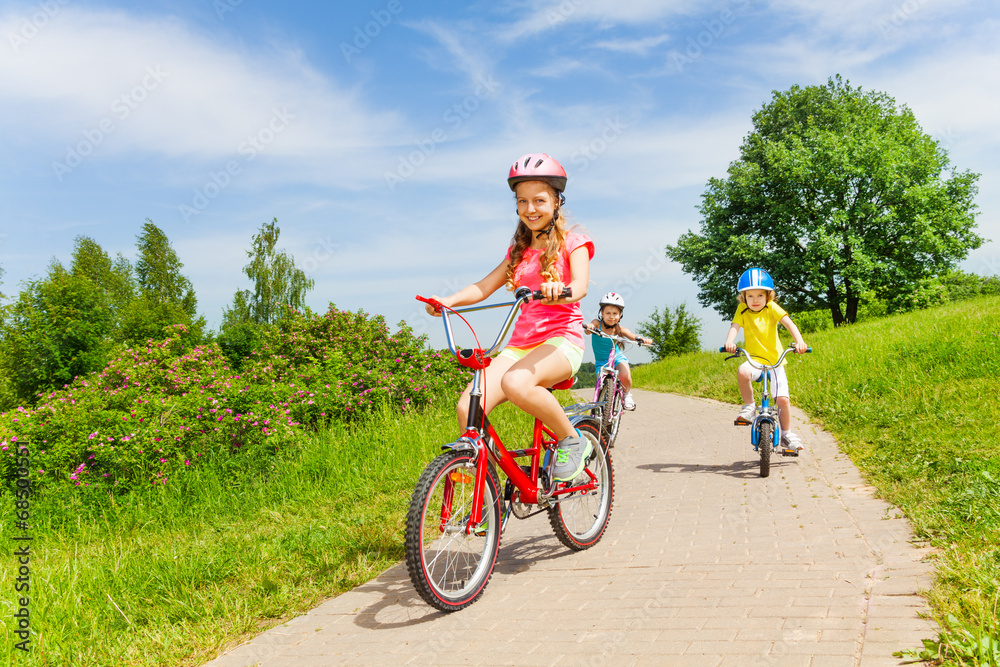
[[513, 384]]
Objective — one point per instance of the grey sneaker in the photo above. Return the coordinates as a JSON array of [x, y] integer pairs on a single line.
[[746, 413], [792, 441], [571, 457]]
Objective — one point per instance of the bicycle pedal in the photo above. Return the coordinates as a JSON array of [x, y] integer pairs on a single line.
[[789, 452], [740, 422]]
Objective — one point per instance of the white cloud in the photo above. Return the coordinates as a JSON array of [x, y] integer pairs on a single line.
[[553, 14], [638, 47], [465, 53], [155, 85], [889, 20]]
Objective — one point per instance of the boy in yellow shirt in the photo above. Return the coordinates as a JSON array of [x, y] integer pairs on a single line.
[[759, 316]]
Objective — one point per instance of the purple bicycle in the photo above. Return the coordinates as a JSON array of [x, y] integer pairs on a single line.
[[609, 393]]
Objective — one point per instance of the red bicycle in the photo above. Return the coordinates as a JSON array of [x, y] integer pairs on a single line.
[[458, 512]]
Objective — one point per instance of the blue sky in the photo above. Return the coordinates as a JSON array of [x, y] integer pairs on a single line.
[[379, 133]]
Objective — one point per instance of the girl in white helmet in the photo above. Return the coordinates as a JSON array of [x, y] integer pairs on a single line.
[[608, 320], [547, 344]]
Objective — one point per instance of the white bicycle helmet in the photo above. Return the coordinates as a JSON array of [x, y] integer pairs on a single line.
[[611, 299]]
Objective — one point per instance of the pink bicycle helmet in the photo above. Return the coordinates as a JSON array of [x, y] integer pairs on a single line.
[[537, 167]]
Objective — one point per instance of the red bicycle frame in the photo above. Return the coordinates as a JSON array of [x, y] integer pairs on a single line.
[[482, 439]]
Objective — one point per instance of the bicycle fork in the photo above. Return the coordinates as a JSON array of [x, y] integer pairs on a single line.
[[755, 429]]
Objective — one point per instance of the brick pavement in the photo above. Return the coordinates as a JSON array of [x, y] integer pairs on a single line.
[[703, 563]]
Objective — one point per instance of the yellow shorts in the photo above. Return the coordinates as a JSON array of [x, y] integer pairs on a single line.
[[572, 351]]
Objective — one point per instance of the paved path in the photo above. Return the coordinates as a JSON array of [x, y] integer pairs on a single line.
[[704, 563]]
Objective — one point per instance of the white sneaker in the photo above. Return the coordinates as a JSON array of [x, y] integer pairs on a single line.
[[745, 415], [792, 441], [629, 402]]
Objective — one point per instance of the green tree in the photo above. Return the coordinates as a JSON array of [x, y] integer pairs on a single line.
[[838, 193], [56, 330], [116, 279], [672, 333], [278, 283], [164, 296]]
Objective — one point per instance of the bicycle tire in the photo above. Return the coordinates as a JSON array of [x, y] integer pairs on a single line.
[[765, 442], [606, 397], [617, 409], [580, 520], [449, 568]]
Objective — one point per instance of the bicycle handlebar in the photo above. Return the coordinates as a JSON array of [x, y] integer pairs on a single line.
[[618, 339], [761, 366], [522, 295]]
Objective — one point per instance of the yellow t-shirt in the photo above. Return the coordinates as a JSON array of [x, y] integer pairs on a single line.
[[760, 331]]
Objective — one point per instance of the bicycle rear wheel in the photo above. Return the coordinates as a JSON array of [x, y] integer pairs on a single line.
[[579, 520], [449, 567], [765, 442]]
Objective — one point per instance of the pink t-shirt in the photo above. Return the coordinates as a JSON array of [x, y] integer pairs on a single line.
[[537, 322]]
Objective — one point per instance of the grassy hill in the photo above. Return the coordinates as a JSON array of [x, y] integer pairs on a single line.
[[914, 400]]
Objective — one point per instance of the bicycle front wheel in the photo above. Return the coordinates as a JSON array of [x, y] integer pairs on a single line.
[[765, 442], [579, 520], [609, 425], [449, 566]]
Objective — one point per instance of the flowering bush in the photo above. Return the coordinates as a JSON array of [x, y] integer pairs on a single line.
[[157, 409]]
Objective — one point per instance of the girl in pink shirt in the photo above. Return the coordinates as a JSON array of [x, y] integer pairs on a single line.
[[547, 344]]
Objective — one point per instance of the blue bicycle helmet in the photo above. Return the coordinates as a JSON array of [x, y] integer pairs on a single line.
[[755, 279]]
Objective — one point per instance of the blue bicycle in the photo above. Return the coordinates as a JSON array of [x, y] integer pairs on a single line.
[[765, 429]]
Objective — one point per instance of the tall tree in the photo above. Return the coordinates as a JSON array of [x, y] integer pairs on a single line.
[[158, 271], [115, 278], [165, 296], [278, 283], [838, 193], [672, 333]]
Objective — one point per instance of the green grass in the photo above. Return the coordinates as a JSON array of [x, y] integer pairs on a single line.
[[174, 574], [915, 401]]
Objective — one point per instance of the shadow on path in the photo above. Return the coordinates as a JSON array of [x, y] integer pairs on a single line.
[[740, 469], [399, 606]]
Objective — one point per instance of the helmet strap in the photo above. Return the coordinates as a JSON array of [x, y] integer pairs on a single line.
[[552, 224]]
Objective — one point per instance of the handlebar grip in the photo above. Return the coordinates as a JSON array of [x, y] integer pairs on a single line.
[[566, 293], [722, 349], [430, 302], [809, 349]]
